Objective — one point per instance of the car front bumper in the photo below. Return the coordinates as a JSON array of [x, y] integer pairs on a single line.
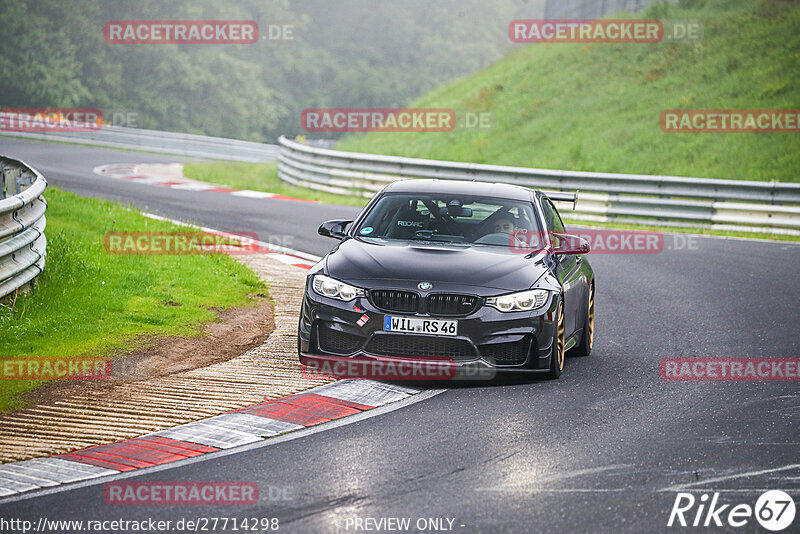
[[486, 339]]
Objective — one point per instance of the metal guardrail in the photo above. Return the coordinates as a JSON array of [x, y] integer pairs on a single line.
[[657, 200], [22, 223], [155, 141]]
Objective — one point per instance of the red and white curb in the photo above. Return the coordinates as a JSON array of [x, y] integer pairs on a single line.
[[285, 255], [242, 427], [128, 171]]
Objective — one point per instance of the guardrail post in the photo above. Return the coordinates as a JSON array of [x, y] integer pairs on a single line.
[[12, 182], [24, 179], [22, 244]]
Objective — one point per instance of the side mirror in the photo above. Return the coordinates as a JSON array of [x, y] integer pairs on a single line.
[[334, 229], [569, 244]]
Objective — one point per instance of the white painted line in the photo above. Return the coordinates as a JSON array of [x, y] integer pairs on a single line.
[[252, 424], [790, 491], [557, 490], [15, 485], [9, 472], [634, 490], [288, 260], [365, 392], [252, 194], [531, 486], [394, 386], [21, 469], [194, 187], [679, 487], [115, 170], [150, 180], [24, 467], [57, 475], [58, 465], [204, 433]]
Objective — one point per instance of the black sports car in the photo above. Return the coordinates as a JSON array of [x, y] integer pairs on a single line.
[[481, 275]]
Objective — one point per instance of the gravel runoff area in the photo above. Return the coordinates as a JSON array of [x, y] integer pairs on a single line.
[[103, 413]]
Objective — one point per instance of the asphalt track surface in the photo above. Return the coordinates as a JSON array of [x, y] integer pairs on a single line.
[[604, 449]]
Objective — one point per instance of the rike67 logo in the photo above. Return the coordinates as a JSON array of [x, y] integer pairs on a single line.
[[774, 510]]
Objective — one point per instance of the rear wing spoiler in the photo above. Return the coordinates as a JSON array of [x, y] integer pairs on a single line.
[[563, 196]]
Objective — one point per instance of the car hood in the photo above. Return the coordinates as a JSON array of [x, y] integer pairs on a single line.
[[447, 267]]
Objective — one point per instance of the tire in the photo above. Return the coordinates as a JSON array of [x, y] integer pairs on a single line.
[[299, 353], [584, 348], [557, 355]]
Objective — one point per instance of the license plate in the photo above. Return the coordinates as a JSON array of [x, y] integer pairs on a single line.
[[414, 325]]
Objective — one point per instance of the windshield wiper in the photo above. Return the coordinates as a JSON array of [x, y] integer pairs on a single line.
[[430, 235]]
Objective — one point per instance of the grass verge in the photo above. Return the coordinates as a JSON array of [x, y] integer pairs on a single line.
[[260, 177], [596, 107], [89, 303]]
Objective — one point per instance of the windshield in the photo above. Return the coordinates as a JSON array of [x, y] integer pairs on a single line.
[[448, 218]]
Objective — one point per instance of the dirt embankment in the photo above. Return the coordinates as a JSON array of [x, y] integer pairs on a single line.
[[237, 330]]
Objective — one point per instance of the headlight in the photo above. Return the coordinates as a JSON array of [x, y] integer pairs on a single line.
[[525, 301], [328, 287]]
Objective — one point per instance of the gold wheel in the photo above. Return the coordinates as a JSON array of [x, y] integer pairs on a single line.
[[590, 322], [560, 340]]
